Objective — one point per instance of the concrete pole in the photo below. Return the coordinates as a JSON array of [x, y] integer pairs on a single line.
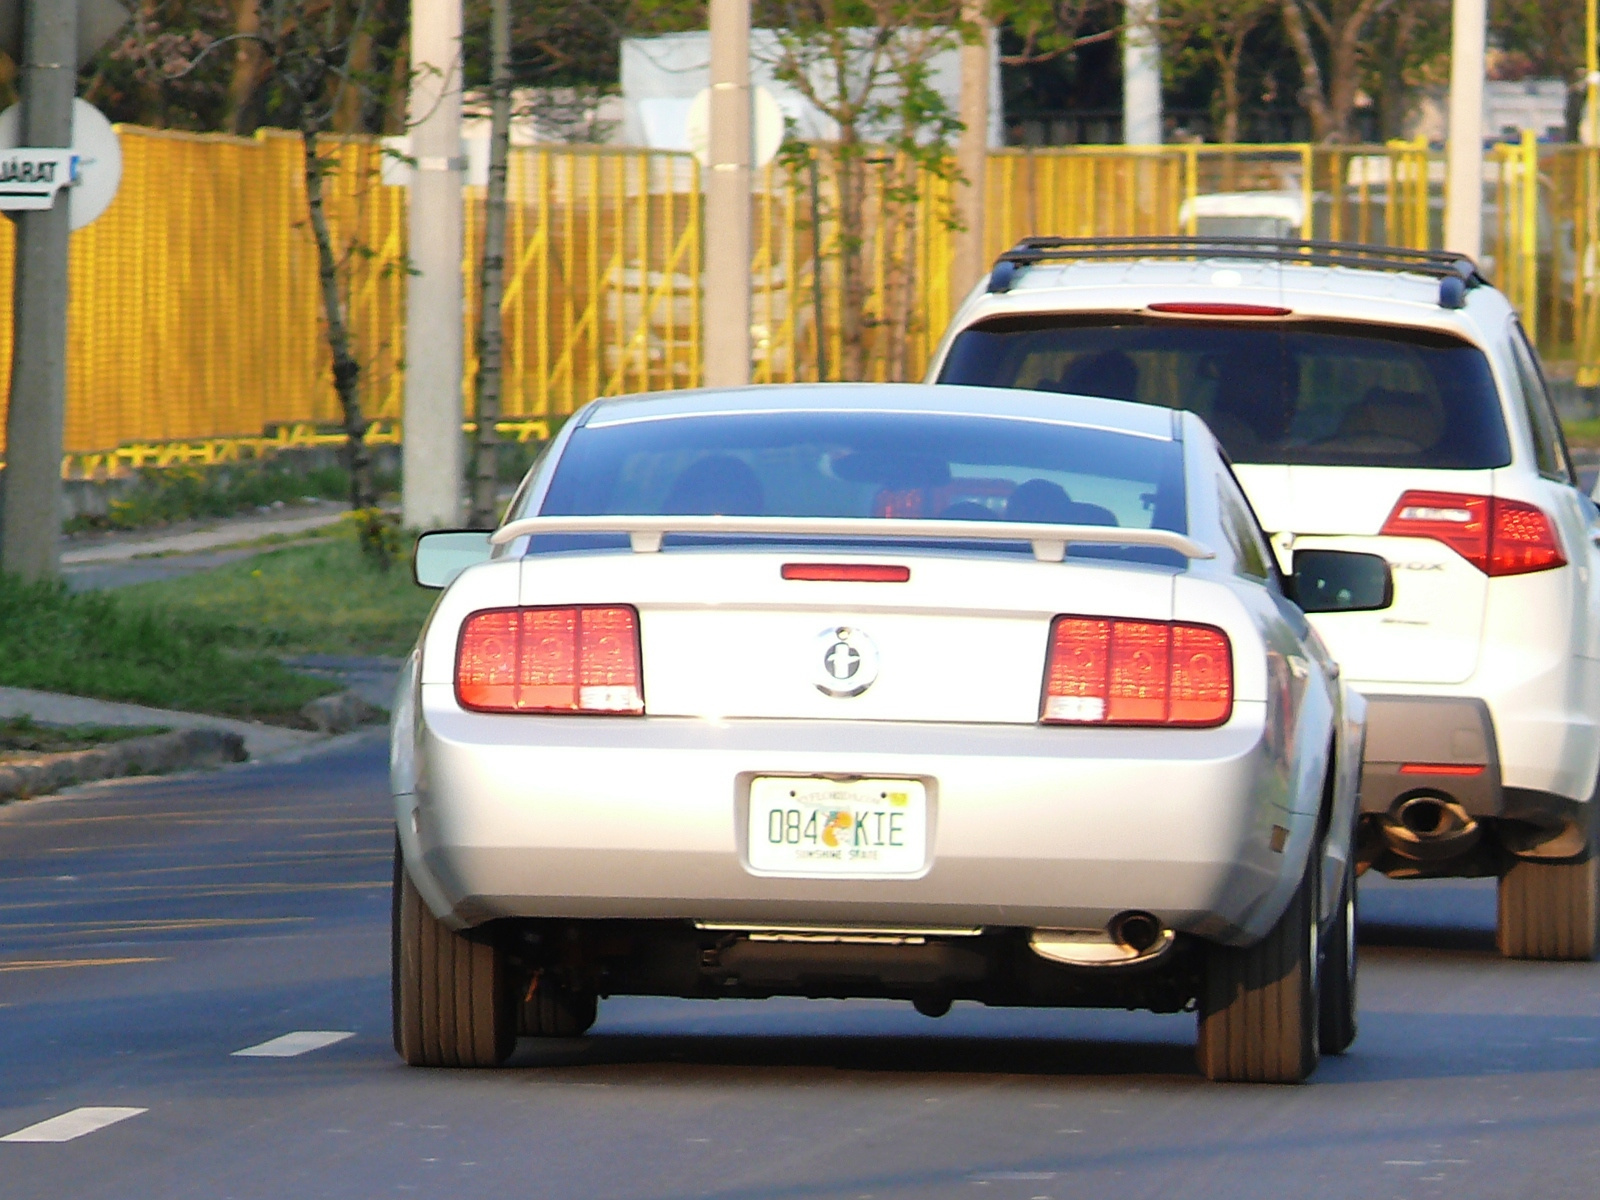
[[431, 458], [972, 156], [30, 527], [1463, 202], [727, 215], [1141, 74]]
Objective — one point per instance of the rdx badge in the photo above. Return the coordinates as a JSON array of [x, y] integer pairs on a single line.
[[849, 663]]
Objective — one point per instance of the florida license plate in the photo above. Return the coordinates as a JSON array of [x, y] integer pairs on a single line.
[[825, 827]]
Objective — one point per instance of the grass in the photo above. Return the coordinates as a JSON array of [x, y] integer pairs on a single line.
[[24, 736], [325, 597], [99, 644]]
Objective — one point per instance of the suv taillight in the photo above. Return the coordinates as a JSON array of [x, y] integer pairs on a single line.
[[1498, 536], [547, 660], [1106, 672]]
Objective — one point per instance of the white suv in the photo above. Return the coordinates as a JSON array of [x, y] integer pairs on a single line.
[[1388, 401]]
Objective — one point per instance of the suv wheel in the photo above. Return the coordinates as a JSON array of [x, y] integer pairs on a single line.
[[452, 1006], [1337, 1021], [1259, 1006], [1550, 910]]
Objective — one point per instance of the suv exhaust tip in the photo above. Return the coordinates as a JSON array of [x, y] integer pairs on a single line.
[[1430, 827]]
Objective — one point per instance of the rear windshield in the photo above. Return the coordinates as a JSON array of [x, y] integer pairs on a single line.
[[870, 464], [1327, 393]]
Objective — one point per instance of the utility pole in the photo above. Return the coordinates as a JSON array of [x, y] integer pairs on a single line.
[[1141, 74], [972, 153], [486, 456], [727, 220], [431, 467], [1463, 197], [30, 530]]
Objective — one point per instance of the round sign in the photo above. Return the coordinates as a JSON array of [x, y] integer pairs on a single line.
[[99, 157], [766, 120]]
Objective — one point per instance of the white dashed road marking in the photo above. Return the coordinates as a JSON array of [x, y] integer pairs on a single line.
[[72, 1124], [291, 1044]]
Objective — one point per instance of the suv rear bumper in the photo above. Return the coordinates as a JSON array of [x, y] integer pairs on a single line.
[[1444, 748], [1408, 734]]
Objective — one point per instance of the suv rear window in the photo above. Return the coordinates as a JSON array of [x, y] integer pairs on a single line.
[[1330, 393]]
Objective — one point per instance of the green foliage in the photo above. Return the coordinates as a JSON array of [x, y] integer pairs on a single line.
[[99, 644], [327, 597]]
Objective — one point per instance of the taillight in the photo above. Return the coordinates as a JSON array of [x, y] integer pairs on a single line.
[[582, 660], [1107, 672], [1498, 536]]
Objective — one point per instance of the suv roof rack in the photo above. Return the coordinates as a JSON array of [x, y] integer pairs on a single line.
[[1455, 272]]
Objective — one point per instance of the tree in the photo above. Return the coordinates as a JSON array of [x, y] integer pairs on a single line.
[[1547, 36], [865, 66], [1331, 38], [1214, 31], [1410, 46], [311, 55]]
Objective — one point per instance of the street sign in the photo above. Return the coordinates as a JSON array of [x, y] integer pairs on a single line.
[[91, 166], [98, 22], [31, 177]]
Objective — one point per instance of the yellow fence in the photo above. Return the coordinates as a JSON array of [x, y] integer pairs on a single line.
[[195, 330]]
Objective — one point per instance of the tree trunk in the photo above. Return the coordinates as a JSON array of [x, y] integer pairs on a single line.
[[346, 370], [851, 178], [349, 112], [245, 86], [486, 445], [1312, 96]]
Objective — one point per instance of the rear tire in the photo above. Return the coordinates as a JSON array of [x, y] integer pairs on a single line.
[[552, 1011], [1259, 1006], [451, 1003], [1336, 1026], [1550, 911]]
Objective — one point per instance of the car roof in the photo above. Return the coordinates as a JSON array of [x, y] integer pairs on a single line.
[[1116, 416], [1335, 292]]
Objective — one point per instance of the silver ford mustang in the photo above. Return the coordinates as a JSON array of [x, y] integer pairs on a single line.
[[926, 693]]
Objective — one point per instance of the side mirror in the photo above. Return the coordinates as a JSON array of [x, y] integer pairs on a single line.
[[1341, 581], [442, 555]]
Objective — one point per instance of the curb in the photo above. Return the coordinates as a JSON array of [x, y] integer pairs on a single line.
[[159, 754]]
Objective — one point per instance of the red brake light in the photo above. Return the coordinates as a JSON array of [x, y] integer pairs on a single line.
[[1499, 537], [1105, 672], [550, 660], [1214, 309], [847, 572]]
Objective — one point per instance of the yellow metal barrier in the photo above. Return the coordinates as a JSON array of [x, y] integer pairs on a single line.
[[195, 324]]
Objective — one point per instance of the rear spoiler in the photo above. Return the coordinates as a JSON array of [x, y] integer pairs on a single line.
[[1049, 542]]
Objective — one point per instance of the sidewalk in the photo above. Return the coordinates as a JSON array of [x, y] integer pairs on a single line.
[[110, 560], [53, 708]]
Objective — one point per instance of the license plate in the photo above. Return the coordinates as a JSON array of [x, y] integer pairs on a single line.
[[824, 827]]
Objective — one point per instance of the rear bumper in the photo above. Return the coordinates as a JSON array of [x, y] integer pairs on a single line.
[[579, 817], [1456, 737]]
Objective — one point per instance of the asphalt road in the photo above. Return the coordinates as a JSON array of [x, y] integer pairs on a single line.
[[149, 931]]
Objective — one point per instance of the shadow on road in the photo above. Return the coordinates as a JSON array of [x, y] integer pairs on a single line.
[[932, 1054]]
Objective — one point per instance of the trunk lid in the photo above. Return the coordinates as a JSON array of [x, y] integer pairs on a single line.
[[963, 640]]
